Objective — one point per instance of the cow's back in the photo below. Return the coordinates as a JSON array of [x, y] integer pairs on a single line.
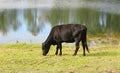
[[67, 32]]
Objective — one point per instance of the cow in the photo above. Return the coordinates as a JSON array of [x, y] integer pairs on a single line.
[[66, 33]]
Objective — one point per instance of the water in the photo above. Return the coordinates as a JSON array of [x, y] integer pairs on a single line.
[[31, 21]]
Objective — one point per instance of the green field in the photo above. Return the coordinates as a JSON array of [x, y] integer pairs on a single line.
[[27, 58]]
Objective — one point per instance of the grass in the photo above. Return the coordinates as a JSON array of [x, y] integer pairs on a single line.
[[27, 58]]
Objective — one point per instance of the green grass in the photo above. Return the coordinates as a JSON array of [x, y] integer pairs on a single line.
[[27, 58]]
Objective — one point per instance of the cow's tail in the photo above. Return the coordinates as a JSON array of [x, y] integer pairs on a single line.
[[85, 40]]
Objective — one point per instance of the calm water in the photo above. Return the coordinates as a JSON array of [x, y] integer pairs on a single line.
[[31, 21]]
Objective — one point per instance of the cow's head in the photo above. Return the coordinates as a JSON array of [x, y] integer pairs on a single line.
[[45, 49]]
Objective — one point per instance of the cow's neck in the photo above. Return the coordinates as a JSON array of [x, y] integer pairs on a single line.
[[49, 40]]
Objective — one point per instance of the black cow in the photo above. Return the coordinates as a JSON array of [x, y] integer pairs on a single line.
[[66, 33]]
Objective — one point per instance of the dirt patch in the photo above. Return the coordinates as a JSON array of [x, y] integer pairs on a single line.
[[112, 71]]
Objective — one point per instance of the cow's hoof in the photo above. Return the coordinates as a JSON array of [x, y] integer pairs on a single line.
[[44, 55], [60, 54], [74, 54], [84, 55], [56, 54]]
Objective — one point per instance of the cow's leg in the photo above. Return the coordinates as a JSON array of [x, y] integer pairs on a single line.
[[86, 46], [57, 48], [77, 40], [83, 45], [77, 47], [60, 46]]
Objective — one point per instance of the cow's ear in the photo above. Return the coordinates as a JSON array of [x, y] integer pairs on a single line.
[[43, 44]]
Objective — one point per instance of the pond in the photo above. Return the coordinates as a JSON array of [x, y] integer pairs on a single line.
[[31, 21]]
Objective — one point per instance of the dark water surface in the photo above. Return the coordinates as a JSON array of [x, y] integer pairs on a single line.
[[32, 23]]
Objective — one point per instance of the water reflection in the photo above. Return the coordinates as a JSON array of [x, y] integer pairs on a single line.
[[34, 24], [100, 22], [8, 20], [13, 19]]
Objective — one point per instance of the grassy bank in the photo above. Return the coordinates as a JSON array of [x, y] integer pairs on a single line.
[[27, 58]]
